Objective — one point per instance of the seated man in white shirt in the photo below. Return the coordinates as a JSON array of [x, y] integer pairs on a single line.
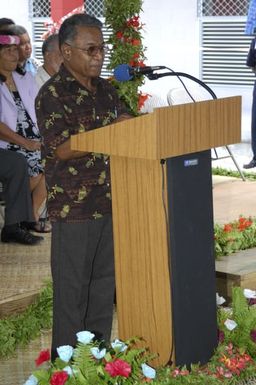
[[52, 60]]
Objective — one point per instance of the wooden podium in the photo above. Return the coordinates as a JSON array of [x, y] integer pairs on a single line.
[[163, 223]]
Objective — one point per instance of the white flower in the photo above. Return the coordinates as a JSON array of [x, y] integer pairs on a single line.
[[119, 345], [65, 352], [68, 370], [249, 293], [219, 300], [85, 337], [230, 324], [148, 371], [97, 353]]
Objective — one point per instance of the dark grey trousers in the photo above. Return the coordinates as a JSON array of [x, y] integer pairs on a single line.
[[16, 191], [82, 261]]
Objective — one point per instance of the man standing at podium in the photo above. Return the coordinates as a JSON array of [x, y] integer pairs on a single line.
[[76, 100]]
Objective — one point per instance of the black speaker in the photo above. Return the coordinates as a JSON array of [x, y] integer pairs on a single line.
[[192, 264]]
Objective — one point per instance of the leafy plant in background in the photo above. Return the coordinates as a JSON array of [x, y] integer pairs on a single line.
[[234, 360], [235, 174], [237, 324], [123, 20], [19, 330], [234, 236]]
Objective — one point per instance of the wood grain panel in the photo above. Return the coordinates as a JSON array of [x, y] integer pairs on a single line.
[[141, 254], [198, 126], [133, 138], [168, 131]]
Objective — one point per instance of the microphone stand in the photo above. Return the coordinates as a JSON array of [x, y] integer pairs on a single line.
[[156, 76]]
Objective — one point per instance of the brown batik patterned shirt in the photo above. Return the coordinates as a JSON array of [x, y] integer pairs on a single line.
[[79, 189]]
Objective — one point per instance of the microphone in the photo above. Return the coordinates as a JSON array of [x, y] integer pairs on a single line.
[[124, 72]]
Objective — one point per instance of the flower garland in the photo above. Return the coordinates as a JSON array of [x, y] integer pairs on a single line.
[[94, 363], [122, 18]]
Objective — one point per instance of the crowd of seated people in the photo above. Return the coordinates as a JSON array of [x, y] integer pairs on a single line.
[[21, 166]]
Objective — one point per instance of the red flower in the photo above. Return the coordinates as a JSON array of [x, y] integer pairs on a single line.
[[119, 35], [179, 372], [247, 358], [184, 372], [244, 223], [133, 63], [133, 22], [135, 42], [140, 63], [227, 228], [141, 100], [118, 368], [242, 220], [220, 372], [59, 378], [137, 63], [235, 361], [44, 356], [229, 348]]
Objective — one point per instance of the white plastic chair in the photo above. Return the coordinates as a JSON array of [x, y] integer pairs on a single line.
[[153, 101], [180, 96]]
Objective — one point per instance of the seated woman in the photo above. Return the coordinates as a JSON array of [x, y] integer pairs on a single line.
[[18, 127]]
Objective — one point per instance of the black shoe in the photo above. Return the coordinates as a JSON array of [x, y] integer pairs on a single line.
[[251, 164], [20, 236]]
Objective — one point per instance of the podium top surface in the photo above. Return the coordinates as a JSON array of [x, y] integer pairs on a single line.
[[168, 131]]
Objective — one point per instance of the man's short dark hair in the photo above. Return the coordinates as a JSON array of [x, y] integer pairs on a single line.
[[68, 29], [49, 43]]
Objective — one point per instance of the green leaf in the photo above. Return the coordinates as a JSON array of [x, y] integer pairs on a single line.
[[20, 329]]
